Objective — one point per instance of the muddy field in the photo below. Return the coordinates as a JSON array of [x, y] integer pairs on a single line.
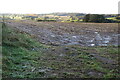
[[70, 54], [83, 34]]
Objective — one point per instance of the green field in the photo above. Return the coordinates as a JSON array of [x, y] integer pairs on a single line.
[[113, 18]]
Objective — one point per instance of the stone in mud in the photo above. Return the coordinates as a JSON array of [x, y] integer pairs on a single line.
[[92, 44], [74, 36], [43, 42], [53, 49], [52, 35]]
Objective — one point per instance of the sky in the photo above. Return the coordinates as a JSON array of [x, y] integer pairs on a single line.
[[51, 6]]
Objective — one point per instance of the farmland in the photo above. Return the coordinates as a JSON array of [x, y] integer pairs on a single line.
[[61, 33], [60, 50]]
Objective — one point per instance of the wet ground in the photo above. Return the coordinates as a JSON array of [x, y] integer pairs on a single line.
[[83, 34], [69, 54]]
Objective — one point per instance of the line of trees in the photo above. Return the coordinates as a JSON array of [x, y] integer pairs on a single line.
[[97, 18], [94, 18]]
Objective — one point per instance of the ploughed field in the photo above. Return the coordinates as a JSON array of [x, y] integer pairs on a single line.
[[67, 50], [83, 34]]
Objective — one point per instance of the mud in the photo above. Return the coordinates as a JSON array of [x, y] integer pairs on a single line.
[[56, 34]]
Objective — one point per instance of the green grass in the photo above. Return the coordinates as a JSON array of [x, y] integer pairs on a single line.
[[20, 53], [113, 18]]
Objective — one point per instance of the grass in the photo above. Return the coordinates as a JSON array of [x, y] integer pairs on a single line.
[[79, 62], [20, 54], [113, 18]]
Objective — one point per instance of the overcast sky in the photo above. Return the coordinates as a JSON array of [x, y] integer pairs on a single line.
[[50, 6]]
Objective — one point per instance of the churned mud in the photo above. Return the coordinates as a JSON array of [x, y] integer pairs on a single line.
[[83, 34]]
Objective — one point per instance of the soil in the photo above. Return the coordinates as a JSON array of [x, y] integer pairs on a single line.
[[83, 34]]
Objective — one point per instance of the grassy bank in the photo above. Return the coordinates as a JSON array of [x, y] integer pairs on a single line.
[[20, 53]]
